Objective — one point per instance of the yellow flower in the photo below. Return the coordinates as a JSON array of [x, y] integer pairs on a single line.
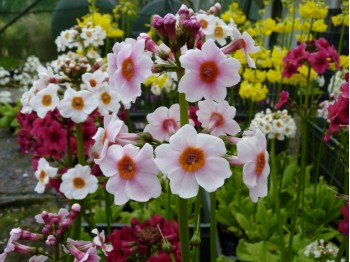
[[277, 56], [319, 26], [344, 61], [234, 13], [255, 92], [273, 76], [240, 57], [303, 37], [340, 19], [268, 26], [311, 9]]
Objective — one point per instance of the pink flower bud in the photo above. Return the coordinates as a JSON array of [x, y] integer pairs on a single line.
[[183, 13], [235, 161], [170, 26], [158, 24], [50, 241], [76, 208]]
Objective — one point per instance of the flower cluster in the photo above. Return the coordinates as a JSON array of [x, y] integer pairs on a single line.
[[155, 239], [321, 249], [338, 112], [317, 54], [277, 124], [343, 225], [22, 76], [81, 37]]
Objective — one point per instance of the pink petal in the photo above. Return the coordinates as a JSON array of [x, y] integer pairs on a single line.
[[259, 190], [191, 85], [156, 118], [143, 187], [145, 162], [210, 51], [211, 145], [116, 186], [166, 158], [215, 91], [191, 60], [184, 137], [213, 174], [229, 72], [183, 184], [246, 149], [249, 175]]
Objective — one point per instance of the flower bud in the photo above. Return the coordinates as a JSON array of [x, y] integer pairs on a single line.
[[166, 246], [50, 241], [183, 13], [196, 239], [170, 27]]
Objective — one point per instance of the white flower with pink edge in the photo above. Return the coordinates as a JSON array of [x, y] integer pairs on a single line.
[[207, 73], [191, 160], [131, 68], [132, 173], [218, 117], [45, 100], [251, 150]]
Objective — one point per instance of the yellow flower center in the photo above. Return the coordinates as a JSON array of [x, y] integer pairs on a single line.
[[192, 159], [126, 167], [92, 82], [203, 23], [78, 182], [106, 98], [218, 31], [46, 100], [42, 176], [78, 103]]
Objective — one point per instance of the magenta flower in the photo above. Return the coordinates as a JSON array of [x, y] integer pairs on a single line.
[[208, 72], [284, 95], [218, 117], [163, 122], [132, 173], [343, 226], [319, 61], [251, 151]]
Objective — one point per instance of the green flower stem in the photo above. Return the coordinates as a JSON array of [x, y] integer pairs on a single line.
[[301, 175], [213, 252], [196, 224], [293, 25], [69, 146], [80, 144], [341, 38], [108, 211], [277, 197], [168, 207], [182, 203], [57, 250]]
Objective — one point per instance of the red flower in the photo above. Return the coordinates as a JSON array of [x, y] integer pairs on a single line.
[[319, 61], [343, 226], [192, 115], [282, 100]]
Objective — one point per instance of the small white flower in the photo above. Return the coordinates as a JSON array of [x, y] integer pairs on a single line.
[[43, 174]]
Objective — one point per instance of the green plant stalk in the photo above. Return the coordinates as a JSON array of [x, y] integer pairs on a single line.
[[341, 38], [196, 224], [182, 203], [57, 250], [168, 204], [213, 252], [301, 175], [277, 198], [291, 34], [320, 152], [341, 250], [69, 147], [108, 211]]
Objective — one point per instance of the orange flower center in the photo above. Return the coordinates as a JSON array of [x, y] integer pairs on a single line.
[[203, 23], [92, 82], [209, 71], [42, 176], [218, 31], [88, 34], [78, 103], [106, 98], [46, 100], [78, 182], [217, 119], [260, 163], [192, 158], [66, 35], [128, 68], [126, 167]]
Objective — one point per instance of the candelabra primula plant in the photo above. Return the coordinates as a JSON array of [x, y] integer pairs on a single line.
[[81, 156]]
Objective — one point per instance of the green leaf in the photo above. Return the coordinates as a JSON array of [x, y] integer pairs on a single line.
[[289, 173], [255, 252]]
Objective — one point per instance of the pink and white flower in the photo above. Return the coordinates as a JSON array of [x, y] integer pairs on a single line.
[[77, 105], [207, 73], [218, 117], [45, 100], [38, 258], [251, 150], [131, 68], [242, 41], [132, 173], [99, 241], [207, 23], [43, 174], [191, 160], [163, 122], [78, 182], [93, 81], [220, 32]]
